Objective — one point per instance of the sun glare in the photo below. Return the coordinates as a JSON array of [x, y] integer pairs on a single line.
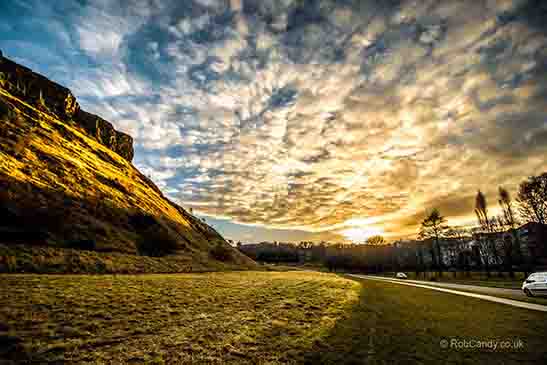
[[361, 234]]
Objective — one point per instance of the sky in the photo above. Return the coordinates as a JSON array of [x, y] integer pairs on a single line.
[[295, 120]]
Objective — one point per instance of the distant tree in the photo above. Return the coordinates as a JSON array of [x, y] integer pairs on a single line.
[[481, 211], [434, 227], [487, 227], [221, 252], [506, 204], [419, 261], [532, 199], [376, 240], [461, 256], [511, 246]]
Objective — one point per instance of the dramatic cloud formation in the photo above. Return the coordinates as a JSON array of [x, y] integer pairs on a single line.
[[317, 116]]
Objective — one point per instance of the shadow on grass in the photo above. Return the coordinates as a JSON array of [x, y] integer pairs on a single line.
[[398, 324]]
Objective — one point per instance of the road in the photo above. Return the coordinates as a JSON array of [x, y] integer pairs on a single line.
[[476, 288], [451, 288]]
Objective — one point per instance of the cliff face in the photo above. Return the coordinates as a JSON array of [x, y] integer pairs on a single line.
[[58, 101], [105, 134], [67, 183]]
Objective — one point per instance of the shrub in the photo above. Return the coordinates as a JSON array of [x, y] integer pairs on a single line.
[[157, 242], [221, 252], [5, 110], [11, 263], [141, 220], [86, 244]]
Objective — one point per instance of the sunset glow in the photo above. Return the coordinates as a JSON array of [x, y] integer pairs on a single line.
[[360, 235], [272, 124]]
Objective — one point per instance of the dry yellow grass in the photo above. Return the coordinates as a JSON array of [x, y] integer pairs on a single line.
[[252, 318], [246, 317]]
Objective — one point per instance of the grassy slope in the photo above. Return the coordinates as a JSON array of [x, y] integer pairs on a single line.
[[87, 189], [253, 318]]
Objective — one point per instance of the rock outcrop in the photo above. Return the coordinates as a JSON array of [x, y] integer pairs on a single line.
[[67, 185], [58, 101], [104, 132]]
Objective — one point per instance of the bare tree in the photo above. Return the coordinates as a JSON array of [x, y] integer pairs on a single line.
[[511, 245], [485, 244], [481, 210], [434, 227], [506, 204], [532, 199], [376, 240]]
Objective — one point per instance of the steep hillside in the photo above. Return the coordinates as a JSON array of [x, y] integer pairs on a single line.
[[67, 187]]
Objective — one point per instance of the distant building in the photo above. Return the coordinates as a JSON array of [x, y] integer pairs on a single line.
[[527, 244], [533, 242]]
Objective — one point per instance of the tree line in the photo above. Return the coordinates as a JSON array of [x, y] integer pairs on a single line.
[[495, 243]]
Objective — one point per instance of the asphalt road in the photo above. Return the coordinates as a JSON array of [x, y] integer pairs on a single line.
[[452, 289], [477, 288]]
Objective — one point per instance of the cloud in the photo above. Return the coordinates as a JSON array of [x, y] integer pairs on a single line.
[[320, 116]]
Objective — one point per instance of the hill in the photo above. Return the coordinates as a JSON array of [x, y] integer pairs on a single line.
[[71, 200]]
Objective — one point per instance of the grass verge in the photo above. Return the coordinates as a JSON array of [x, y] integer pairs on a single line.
[[400, 324]]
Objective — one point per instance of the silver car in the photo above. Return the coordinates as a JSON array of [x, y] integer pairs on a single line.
[[535, 284]]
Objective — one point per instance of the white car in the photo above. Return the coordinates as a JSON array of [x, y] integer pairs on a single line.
[[535, 284], [401, 275]]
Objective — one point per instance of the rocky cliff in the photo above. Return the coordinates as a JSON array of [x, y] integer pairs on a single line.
[[67, 187], [58, 101]]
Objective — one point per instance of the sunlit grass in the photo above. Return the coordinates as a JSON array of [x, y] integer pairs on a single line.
[[247, 317], [252, 318], [87, 189]]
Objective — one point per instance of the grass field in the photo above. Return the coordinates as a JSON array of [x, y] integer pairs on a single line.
[[253, 318], [246, 317]]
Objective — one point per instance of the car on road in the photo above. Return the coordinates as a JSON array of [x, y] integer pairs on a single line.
[[401, 275], [535, 284]]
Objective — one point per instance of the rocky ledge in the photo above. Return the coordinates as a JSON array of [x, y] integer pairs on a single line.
[[58, 101]]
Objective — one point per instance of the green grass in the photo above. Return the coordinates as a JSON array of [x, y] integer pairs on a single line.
[[400, 324], [250, 318]]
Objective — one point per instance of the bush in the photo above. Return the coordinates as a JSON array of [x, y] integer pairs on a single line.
[[5, 110], [157, 242], [87, 244], [221, 253], [141, 220], [11, 263]]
